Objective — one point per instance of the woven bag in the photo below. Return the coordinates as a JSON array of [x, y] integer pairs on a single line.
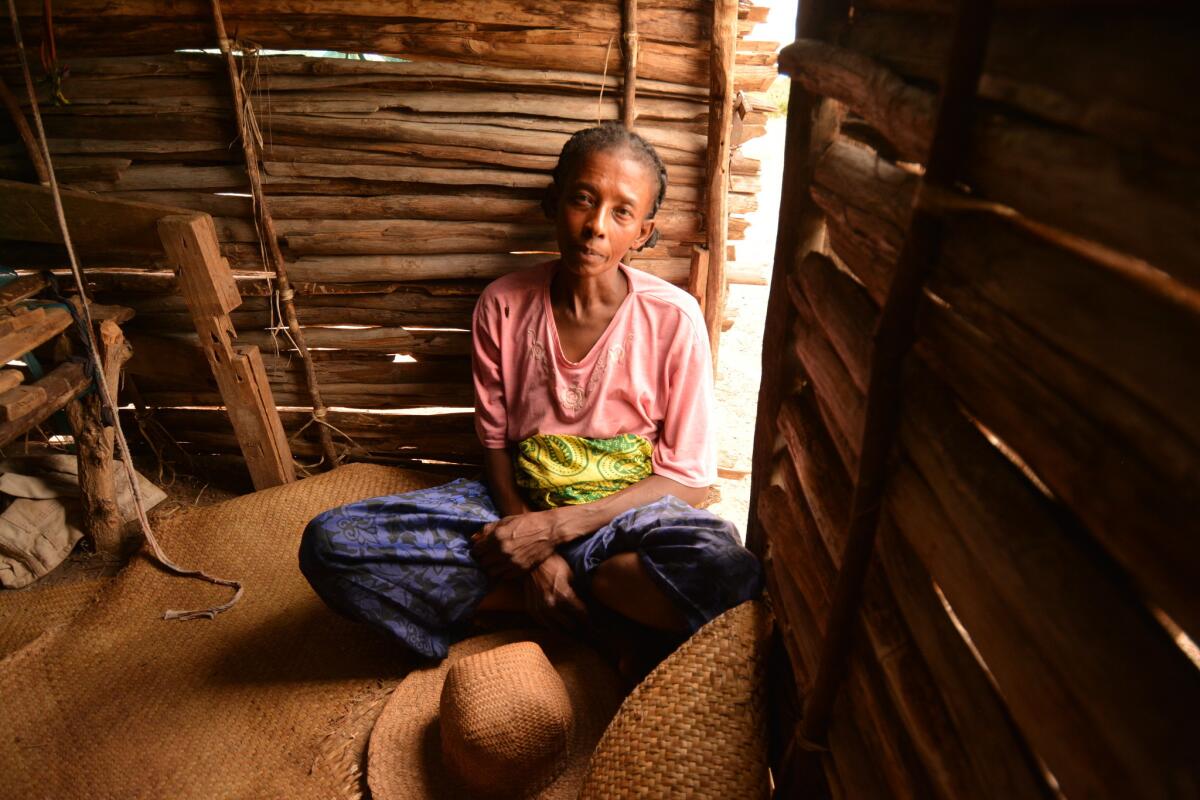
[[696, 726]]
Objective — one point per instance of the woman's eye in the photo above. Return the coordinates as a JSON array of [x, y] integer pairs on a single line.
[[624, 213], [581, 198]]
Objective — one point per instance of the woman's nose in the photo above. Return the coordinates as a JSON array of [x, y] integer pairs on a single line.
[[595, 223]]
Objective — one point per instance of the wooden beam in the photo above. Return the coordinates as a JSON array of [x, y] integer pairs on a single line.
[[720, 128], [210, 292], [27, 214]]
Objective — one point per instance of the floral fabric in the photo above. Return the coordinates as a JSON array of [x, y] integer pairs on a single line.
[[403, 562], [556, 470]]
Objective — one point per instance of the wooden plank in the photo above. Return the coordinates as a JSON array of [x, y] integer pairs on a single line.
[[45, 327], [10, 378], [19, 401], [24, 287], [27, 214], [209, 289], [60, 386]]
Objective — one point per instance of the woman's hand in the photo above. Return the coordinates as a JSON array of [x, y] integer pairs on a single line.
[[514, 545], [549, 598]]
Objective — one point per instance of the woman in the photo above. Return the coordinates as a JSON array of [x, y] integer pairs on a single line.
[[593, 385]]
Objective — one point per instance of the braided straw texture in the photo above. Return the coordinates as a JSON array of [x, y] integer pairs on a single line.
[[122, 704], [504, 711], [26, 614], [696, 726], [406, 760]]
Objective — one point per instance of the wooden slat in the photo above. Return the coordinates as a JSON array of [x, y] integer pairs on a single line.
[[1054, 175], [1065, 580], [209, 289], [60, 386], [1086, 373], [45, 327]]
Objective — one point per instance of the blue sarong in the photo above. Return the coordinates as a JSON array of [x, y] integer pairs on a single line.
[[403, 562]]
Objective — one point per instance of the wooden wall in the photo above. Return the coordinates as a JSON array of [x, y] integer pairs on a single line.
[[1025, 621], [398, 188]]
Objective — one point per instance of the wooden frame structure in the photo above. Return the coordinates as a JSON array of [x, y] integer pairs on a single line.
[[189, 241]]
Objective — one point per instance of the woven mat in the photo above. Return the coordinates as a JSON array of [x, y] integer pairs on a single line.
[[26, 614], [268, 700]]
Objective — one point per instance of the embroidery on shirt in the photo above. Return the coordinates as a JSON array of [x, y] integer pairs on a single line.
[[537, 351], [576, 397]]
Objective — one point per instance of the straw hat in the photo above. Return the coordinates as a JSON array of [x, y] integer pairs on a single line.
[[513, 715]]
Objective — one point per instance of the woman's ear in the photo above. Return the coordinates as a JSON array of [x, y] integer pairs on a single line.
[[648, 236], [550, 201]]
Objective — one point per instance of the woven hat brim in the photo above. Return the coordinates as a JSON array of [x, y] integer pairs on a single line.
[[404, 758]]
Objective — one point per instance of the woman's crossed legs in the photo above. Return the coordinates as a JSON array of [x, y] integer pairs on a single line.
[[403, 562]]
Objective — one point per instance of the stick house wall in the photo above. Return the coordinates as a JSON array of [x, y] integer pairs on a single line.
[[398, 188], [1024, 623], [1023, 627]]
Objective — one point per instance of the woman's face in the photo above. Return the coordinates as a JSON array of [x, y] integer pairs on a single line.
[[602, 211]]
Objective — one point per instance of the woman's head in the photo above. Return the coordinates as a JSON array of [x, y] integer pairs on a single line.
[[607, 186]]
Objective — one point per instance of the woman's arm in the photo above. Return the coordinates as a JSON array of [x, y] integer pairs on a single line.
[[517, 544], [502, 482]]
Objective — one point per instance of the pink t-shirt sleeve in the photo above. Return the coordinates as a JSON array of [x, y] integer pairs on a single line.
[[491, 419], [686, 448]]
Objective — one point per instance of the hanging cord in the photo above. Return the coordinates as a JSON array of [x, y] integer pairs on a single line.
[[106, 397], [55, 74]]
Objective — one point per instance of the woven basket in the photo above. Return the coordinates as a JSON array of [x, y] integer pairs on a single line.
[[696, 727]]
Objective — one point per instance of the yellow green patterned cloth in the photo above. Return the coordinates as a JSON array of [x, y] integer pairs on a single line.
[[561, 470]]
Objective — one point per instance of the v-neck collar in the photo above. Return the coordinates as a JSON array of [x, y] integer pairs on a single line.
[[552, 326]]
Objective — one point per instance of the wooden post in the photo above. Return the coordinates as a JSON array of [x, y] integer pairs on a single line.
[[630, 38], [209, 290], [720, 128], [271, 241], [94, 444]]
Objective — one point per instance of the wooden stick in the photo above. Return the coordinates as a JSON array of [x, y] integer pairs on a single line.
[[892, 340], [270, 240], [31, 148], [720, 127], [629, 36]]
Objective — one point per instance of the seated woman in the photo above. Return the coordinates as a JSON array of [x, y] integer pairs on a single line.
[[594, 401]]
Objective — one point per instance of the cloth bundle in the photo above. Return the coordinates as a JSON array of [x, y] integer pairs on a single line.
[[44, 519]]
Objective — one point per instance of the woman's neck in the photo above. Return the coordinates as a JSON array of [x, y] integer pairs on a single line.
[[582, 295]]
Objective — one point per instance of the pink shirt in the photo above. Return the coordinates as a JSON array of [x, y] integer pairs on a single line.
[[650, 373]]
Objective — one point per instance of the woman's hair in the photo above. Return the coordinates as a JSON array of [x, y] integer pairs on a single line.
[[609, 136]]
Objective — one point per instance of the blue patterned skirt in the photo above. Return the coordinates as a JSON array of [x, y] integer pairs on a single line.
[[403, 562]]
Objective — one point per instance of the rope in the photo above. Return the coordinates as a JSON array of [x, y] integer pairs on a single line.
[[106, 396]]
